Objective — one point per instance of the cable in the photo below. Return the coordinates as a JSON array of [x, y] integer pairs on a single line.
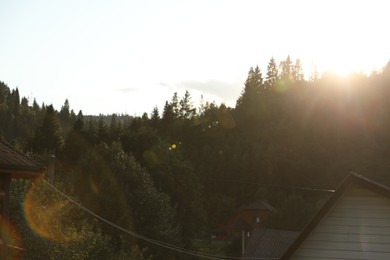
[[270, 185], [153, 241]]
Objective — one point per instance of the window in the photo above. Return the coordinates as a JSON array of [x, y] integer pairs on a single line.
[[258, 219]]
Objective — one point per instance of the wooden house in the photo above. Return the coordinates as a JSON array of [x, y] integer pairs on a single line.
[[245, 219], [353, 224], [13, 165]]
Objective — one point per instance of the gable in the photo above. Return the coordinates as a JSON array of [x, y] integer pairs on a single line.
[[356, 227]]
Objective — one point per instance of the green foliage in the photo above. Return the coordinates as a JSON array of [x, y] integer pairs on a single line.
[[252, 89], [114, 185], [272, 74], [171, 177], [293, 214], [235, 247], [48, 137], [47, 228]]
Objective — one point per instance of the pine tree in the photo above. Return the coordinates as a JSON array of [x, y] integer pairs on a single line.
[[48, 138], [4, 92], [64, 114], [272, 74], [253, 87], [175, 105], [115, 128], [35, 106], [79, 123], [24, 106], [102, 134], [168, 114], [297, 72], [14, 102], [286, 68], [154, 117], [187, 111], [314, 74]]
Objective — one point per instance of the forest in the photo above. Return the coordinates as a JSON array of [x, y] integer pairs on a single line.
[[174, 175]]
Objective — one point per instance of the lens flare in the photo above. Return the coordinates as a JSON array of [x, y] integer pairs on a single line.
[[45, 214], [282, 85], [11, 238], [151, 158], [94, 186]]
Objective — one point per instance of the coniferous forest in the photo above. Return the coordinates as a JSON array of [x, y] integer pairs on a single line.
[[174, 175]]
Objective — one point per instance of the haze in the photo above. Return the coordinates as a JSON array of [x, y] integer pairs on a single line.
[[129, 56]]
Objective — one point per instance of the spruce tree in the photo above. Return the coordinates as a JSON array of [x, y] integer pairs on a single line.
[[272, 74]]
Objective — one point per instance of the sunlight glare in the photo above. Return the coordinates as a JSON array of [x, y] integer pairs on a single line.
[[43, 216]]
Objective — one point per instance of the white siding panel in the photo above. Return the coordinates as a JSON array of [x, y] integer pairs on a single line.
[[319, 258], [361, 213], [363, 222], [353, 230], [360, 191], [323, 245], [336, 254], [361, 203], [349, 238], [358, 227]]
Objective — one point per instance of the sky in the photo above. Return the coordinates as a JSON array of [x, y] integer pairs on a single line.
[[130, 56]]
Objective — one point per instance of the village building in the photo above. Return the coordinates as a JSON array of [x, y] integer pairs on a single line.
[[245, 219], [353, 224], [13, 165]]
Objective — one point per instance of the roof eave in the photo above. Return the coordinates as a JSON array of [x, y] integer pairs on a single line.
[[23, 173]]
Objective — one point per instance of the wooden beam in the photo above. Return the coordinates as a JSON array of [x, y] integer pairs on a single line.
[[6, 183]]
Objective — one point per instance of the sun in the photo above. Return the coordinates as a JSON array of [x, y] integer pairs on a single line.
[[346, 61], [342, 70], [341, 65]]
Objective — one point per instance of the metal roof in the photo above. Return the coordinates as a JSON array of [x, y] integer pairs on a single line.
[[266, 243]]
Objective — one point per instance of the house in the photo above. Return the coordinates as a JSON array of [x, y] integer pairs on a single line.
[[267, 243], [13, 165], [245, 219], [353, 224]]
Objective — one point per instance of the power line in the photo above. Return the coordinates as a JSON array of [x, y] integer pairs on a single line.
[[270, 185], [152, 241]]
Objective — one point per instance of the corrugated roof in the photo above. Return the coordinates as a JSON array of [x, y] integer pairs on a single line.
[[18, 164], [269, 243]]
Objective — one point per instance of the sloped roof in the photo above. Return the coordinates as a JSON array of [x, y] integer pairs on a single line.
[[269, 243], [352, 178], [239, 224], [17, 163]]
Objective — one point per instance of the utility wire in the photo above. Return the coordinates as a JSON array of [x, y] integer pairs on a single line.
[[270, 185], [153, 241]]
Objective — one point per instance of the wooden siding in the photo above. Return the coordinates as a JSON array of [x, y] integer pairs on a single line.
[[357, 227]]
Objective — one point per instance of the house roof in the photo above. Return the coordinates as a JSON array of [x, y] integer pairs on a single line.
[[352, 178], [268, 243], [17, 163], [238, 224], [257, 205]]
